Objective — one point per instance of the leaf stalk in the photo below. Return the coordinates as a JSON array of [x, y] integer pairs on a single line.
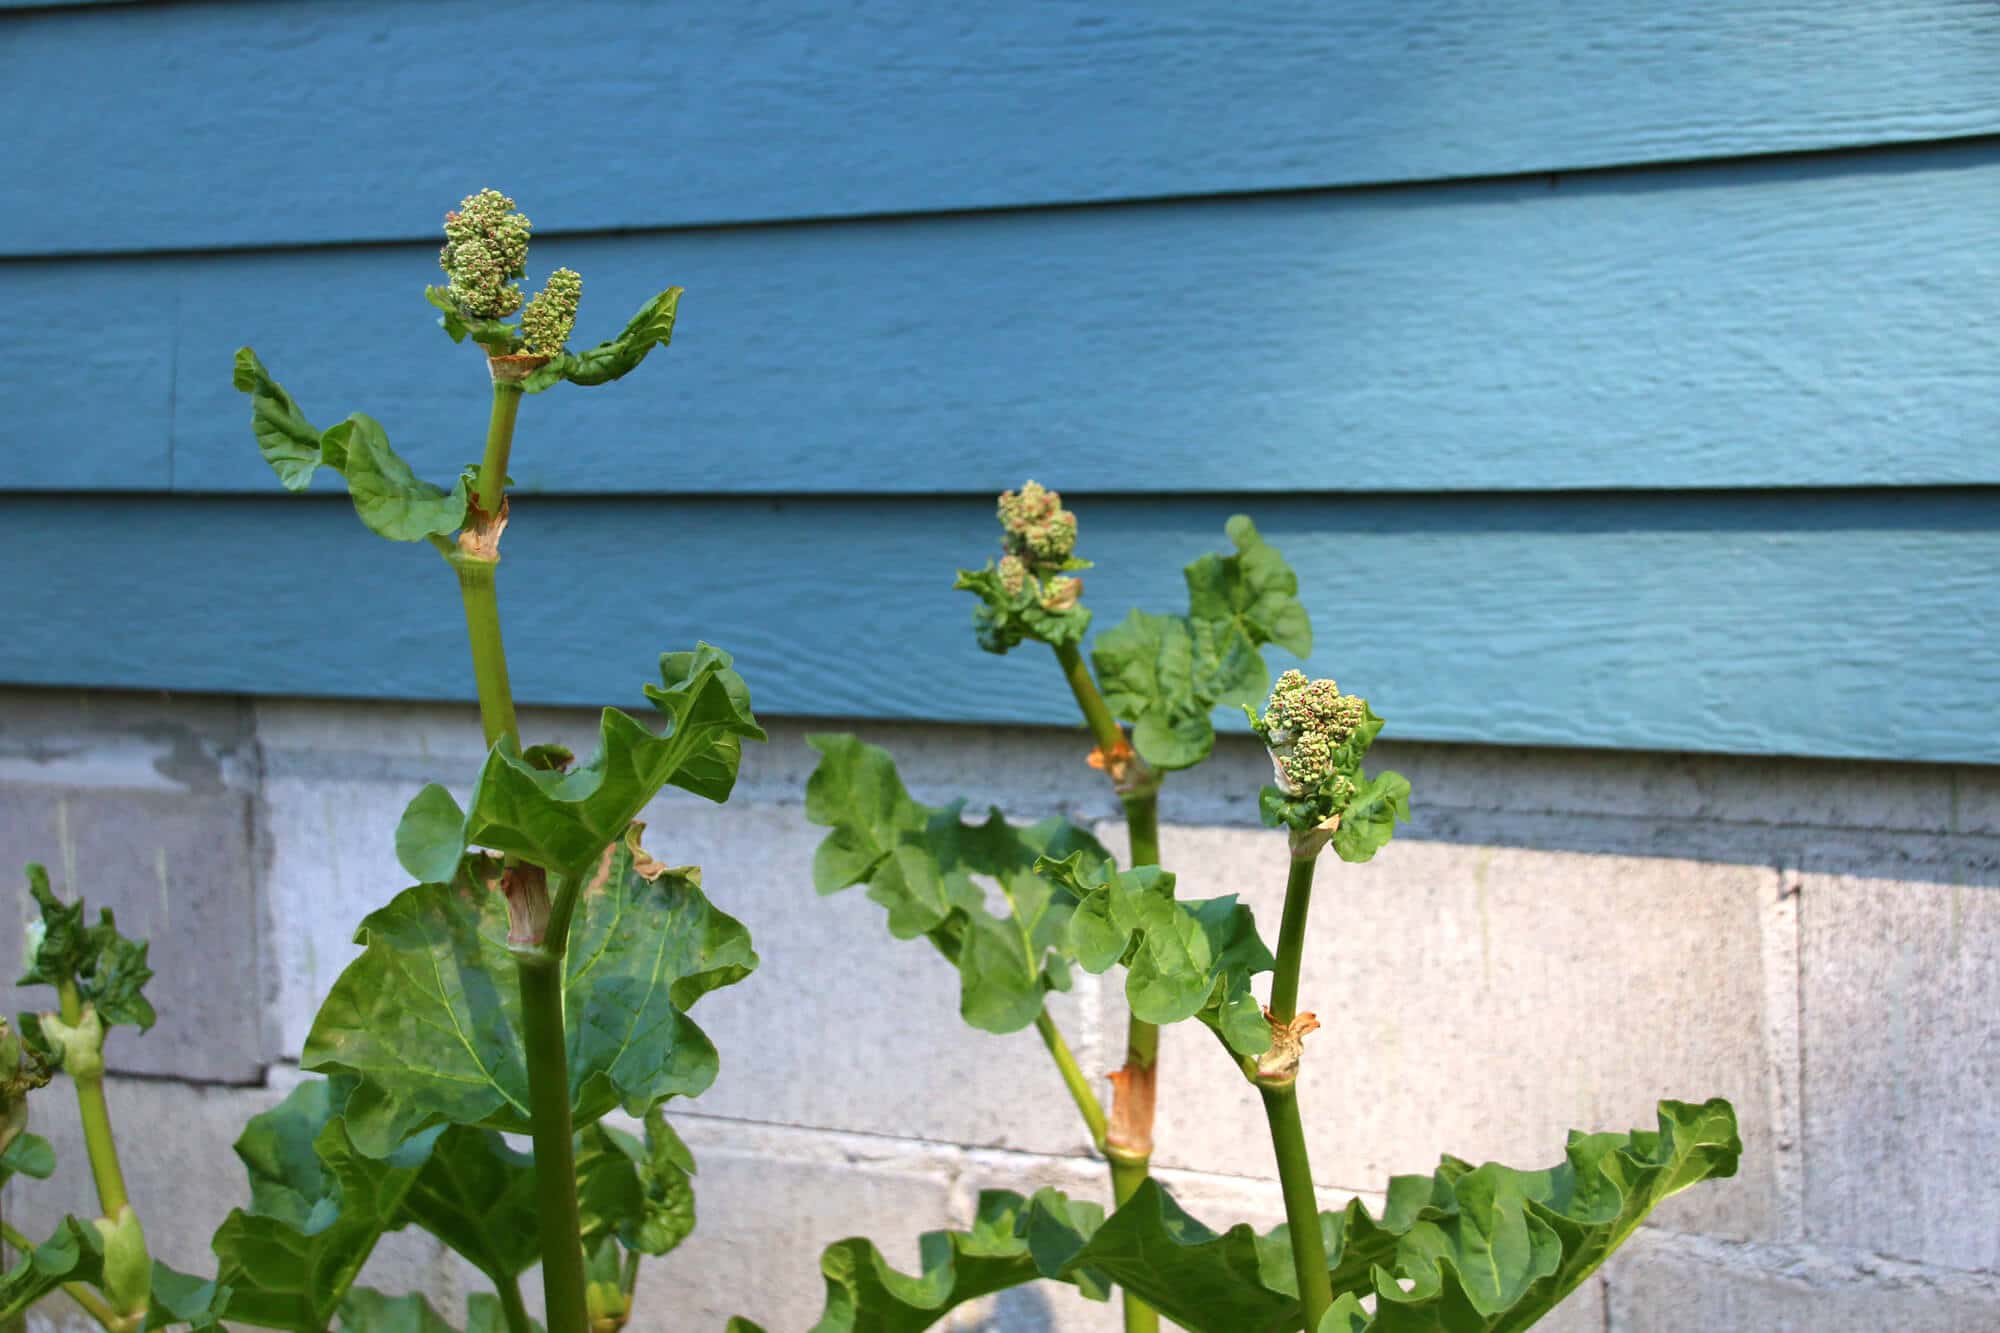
[[1073, 1078], [1281, 1106], [95, 1113]]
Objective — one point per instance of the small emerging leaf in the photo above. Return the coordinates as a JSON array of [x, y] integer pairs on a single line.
[[73, 1253], [28, 1155], [317, 1208], [110, 971]]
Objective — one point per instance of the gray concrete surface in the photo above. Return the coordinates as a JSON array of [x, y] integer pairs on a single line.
[[1561, 939]]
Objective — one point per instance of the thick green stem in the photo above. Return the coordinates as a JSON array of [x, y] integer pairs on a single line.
[[1281, 1106], [492, 483], [1292, 940], [1288, 1138], [1104, 728], [541, 976], [489, 654], [513, 1307], [1072, 1077], [95, 1113]]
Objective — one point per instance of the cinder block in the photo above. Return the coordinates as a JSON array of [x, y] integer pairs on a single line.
[[1668, 1284], [176, 1145], [1901, 963], [768, 1201], [1484, 1001], [148, 808]]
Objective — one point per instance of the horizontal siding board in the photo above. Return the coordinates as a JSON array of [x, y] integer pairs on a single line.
[[1822, 322], [196, 126], [1818, 623]]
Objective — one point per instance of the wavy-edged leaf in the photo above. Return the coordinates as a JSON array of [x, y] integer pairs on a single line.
[[109, 970], [389, 497], [1167, 674], [1467, 1249], [652, 327], [429, 1016], [1011, 1241], [1182, 959], [925, 865], [430, 837], [28, 1155], [564, 820], [1369, 820], [289, 443], [477, 1195], [317, 1208]]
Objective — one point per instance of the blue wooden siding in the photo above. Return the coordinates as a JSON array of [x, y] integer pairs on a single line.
[[1615, 377]]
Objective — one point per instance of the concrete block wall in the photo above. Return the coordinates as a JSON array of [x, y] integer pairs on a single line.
[[1561, 939]]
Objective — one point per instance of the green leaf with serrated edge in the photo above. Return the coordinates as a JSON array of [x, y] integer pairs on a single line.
[[565, 820], [1182, 959], [1480, 1250], [477, 1195], [925, 865], [289, 443], [1167, 674], [317, 1208], [865, 1294], [652, 327], [430, 838], [390, 498], [72, 1253], [458, 325], [28, 1155], [428, 1017], [181, 1298], [109, 970], [369, 1311]]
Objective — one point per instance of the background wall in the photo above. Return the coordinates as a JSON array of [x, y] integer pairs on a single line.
[[1615, 380]]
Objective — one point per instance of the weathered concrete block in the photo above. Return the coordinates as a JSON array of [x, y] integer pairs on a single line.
[[147, 808], [1668, 1284], [768, 1201], [1901, 962], [1484, 1001]]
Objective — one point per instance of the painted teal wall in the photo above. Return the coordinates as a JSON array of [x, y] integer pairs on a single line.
[[1616, 375]]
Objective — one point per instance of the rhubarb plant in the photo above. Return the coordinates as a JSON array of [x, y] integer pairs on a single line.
[[1465, 1250], [532, 976]]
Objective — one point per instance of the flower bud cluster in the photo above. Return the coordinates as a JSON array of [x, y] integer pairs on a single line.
[[1036, 528], [551, 315], [1308, 726], [485, 250]]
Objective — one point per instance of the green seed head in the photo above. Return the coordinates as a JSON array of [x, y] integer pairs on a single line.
[[551, 315], [486, 248], [1013, 574], [1036, 527], [1305, 724]]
